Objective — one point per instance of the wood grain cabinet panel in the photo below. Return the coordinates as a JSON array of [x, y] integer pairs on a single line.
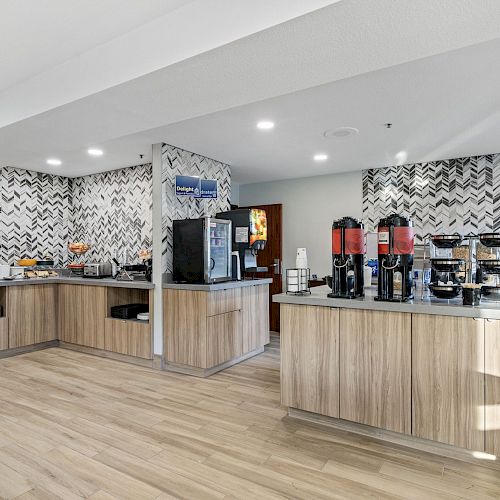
[[255, 317], [128, 337], [82, 310], [4, 334], [310, 358], [185, 327], [375, 368], [223, 301], [224, 338], [492, 386], [32, 314], [448, 379]]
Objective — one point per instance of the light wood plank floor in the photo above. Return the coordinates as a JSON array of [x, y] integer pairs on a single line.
[[78, 426]]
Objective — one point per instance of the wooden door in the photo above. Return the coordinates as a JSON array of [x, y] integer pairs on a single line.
[[310, 358], [255, 317], [492, 387], [32, 313], [448, 379], [375, 368], [82, 310], [224, 338], [271, 255]]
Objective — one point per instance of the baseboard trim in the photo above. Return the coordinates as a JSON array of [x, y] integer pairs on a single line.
[[425, 445], [16, 351], [147, 363], [206, 372]]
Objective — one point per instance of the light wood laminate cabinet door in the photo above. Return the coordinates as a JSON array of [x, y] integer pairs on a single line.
[[4, 333], [132, 338], [375, 368], [223, 301], [82, 310], [185, 327], [255, 317], [224, 338], [310, 358], [32, 314], [448, 379], [492, 388]]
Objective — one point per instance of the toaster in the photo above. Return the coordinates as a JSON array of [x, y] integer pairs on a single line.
[[97, 270]]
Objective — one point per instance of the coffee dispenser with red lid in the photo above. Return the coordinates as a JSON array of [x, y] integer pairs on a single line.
[[395, 258], [348, 253]]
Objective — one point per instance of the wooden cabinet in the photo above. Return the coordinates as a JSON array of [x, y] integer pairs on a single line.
[[223, 301], [492, 386], [310, 358], [375, 368], [448, 380], [224, 338], [31, 314], [82, 310], [132, 338], [203, 330], [255, 317], [184, 324], [4, 333]]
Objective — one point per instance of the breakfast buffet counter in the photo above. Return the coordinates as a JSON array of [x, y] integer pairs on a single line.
[[75, 313], [207, 328], [426, 370]]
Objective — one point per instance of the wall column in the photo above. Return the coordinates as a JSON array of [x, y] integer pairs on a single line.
[[157, 252]]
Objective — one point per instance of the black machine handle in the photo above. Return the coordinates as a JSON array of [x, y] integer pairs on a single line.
[[213, 264]]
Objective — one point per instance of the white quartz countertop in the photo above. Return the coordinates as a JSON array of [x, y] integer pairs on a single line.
[[429, 305], [215, 286], [145, 285]]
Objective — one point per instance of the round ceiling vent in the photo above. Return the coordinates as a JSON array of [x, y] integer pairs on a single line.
[[341, 132]]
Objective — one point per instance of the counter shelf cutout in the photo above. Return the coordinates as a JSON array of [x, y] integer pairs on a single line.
[[297, 281]]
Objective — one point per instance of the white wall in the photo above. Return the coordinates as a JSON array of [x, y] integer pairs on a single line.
[[235, 193], [310, 205]]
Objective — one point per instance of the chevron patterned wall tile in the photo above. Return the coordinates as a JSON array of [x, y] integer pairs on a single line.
[[34, 215], [176, 161], [458, 195], [113, 212]]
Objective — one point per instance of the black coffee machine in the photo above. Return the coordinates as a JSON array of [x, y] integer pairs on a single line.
[[395, 259], [348, 255]]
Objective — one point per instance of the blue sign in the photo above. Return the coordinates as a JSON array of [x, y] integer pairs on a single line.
[[208, 188], [186, 185]]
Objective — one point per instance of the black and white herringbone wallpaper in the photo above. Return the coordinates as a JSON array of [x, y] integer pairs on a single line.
[[41, 213], [176, 161], [34, 215], [459, 195], [113, 212]]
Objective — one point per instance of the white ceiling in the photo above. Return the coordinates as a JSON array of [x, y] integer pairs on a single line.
[[41, 34], [354, 63], [441, 107]]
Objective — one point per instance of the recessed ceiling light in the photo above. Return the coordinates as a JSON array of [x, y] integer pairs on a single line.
[[95, 152], [401, 157], [320, 157], [341, 132], [265, 125], [54, 162]]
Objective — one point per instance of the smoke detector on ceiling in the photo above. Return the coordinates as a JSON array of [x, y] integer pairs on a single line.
[[341, 132]]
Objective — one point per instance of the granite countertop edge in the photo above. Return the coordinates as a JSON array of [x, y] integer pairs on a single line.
[[227, 285], [318, 297], [108, 282]]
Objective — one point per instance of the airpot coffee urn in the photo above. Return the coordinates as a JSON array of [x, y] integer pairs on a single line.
[[395, 258], [348, 251]]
